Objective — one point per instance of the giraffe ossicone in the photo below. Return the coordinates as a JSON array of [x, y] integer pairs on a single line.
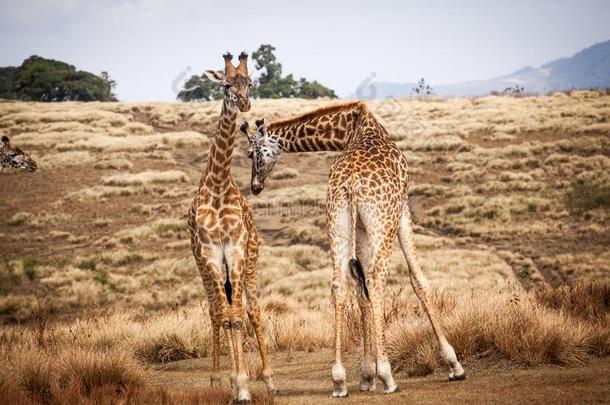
[[367, 206]]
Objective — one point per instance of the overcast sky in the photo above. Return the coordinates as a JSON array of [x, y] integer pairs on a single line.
[[147, 45]]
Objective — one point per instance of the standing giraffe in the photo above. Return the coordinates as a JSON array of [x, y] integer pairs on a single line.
[[224, 238], [367, 205], [11, 156]]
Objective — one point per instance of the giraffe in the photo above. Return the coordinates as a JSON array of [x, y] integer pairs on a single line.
[[224, 238], [11, 156], [367, 205]]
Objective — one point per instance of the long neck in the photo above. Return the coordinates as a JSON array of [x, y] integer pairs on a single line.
[[326, 129], [217, 174]]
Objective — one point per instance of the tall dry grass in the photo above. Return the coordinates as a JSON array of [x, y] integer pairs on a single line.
[[112, 354], [563, 326], [42, 375]]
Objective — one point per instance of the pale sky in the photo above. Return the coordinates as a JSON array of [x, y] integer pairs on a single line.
[[146, 45]]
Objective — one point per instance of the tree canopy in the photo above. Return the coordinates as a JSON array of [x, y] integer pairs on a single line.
[[269, 82], [40, 79]]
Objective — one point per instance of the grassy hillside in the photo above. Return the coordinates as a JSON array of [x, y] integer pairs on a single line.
[[511, 197]]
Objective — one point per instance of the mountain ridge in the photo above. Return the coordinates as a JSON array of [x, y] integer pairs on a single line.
[[586, 69]]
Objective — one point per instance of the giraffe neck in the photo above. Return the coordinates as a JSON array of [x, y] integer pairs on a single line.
[[326, 129], [217, 174]]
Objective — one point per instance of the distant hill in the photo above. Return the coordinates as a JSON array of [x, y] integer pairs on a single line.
[[589, 68], [40, 79]]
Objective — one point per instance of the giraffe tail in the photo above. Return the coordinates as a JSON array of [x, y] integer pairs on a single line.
[[358, 273], [354, 264], [228, 286]]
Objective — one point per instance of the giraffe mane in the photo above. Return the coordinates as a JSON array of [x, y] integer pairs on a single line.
[[319, 112]]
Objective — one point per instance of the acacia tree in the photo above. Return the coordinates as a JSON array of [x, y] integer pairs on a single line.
[[423, 89]]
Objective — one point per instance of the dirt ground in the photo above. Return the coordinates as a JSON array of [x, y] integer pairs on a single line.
[[304, 378]]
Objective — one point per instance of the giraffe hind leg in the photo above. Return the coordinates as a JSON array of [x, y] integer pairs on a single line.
[[379, 238], [342, 251], [368, 367], [419, 283]]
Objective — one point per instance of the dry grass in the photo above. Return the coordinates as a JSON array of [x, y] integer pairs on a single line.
[[144, 178], [527, 329], [497, 206], [51, 376], [286, 173], [564, 326]]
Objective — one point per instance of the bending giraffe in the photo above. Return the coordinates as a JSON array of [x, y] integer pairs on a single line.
[[11, 156], [367, 205], [224, 238]]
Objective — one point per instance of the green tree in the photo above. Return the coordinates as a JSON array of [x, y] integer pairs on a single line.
[[109, 84], [40, 79], [199, 88], [271, 84], [314, 90], [8, 77]]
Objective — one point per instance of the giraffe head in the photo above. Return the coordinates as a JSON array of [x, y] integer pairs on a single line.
[[235, 80], [264, 150], [11, 156]]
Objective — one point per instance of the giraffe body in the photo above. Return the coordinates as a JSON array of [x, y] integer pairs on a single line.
[[225, 241], [367, 206]]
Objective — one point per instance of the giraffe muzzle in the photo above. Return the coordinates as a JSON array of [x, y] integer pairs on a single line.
[[256, 188]]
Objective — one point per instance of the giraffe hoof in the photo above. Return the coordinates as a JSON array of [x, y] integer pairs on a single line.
[[458, 377], [391, 389], [339, 394]]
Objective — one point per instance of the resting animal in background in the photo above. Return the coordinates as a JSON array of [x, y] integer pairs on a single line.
[[11, 156]]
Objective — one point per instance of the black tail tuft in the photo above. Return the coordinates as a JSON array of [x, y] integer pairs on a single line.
[[358, 273], [228, 286]]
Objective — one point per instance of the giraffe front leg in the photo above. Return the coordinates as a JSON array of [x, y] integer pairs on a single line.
[[215, 380], [368, 367], [338, 371], [376, 281], [384, 369], [253, 307]]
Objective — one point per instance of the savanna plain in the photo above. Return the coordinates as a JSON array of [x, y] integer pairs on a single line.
[[101, 302]]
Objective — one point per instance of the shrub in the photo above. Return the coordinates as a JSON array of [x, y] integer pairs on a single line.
[[584, 196]]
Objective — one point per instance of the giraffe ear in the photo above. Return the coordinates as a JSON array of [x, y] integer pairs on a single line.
[[216, 77], [260, 122]]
